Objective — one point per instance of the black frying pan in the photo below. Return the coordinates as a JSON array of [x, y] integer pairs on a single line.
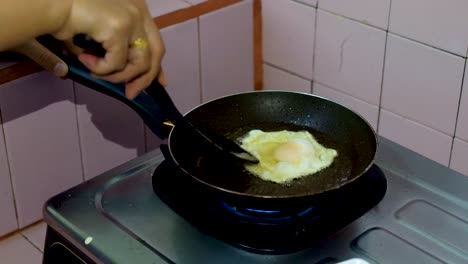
[[334, 126]]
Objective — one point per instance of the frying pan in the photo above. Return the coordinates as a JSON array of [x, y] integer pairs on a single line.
[[332, 124]]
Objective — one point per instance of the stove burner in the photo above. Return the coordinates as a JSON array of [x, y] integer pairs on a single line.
[[260, 216], [263, 231]]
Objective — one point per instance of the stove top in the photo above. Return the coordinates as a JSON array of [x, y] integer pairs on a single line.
[[279, 231], [117, 218]]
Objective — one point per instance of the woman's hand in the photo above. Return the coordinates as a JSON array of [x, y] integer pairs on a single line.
[[126, 30], [44, 57]]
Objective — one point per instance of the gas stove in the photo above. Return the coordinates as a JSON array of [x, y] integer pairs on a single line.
[[279, 231], [117, 218]]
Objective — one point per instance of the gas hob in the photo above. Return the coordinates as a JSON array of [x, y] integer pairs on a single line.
[[117, 218], [267, 231]]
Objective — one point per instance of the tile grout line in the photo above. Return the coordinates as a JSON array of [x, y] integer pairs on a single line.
[[351, 19], [10, 171], [417, 122], [458, 113], [314, 50], [393, 33], [75, 100], [308, 5], [286, 70], [388, 32], [32, 243], [379, 107], [383, 108], [344, 93], [187, 2], [20, 230], [461, 139], [379, 111]]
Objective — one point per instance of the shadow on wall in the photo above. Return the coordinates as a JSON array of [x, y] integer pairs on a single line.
[[115, 121]]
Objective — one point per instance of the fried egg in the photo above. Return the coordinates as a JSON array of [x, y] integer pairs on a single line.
[[286, 155]]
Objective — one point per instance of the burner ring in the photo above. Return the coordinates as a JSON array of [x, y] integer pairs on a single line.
[[267, 216]]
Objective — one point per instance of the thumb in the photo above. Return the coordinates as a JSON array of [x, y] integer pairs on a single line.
[[44, 57]]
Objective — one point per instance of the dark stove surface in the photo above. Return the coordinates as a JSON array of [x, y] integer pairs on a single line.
[[117, 218]]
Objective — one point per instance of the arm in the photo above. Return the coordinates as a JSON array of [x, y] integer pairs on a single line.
[[116, 24], [22, 20]]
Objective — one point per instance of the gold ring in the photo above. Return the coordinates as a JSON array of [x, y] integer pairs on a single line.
[[140, 43]]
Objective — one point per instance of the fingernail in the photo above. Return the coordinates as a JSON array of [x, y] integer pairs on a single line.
[[60, 69], [130, 95]]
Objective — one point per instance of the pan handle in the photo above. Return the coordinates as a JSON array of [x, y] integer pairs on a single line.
[[144, 104]]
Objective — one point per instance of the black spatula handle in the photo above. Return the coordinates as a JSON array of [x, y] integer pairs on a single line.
[[89, 45], [155, 106], [152, 105]]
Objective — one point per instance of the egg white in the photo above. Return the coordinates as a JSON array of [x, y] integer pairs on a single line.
[[286, 155]]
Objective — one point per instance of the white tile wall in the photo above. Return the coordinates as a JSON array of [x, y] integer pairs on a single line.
[[8, 221], [181, 64], [288, 35], [349, 56], [367, 111], [422, 83], [40, 129], [459, 161], [372, 12], [462, 124], [277, 79], [111, 133], [424, 140], [442, 24], [226, 39]]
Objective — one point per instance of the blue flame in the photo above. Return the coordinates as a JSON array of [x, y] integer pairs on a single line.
[[266, 215]]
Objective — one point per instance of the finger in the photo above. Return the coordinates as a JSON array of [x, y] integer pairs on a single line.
[[44, 57], [156, 45], [139, 63], [115, 59], [136, 86]]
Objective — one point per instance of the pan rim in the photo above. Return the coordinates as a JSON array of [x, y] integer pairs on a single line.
[[248, 195]]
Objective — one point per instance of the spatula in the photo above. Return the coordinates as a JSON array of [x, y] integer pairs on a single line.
[[154, 104]]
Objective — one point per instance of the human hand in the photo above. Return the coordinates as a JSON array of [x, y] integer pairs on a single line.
[[44, 57], [117, 25]]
